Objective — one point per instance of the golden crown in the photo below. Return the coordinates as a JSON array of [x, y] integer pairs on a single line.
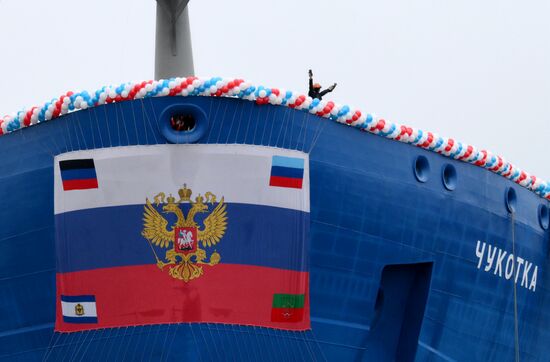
[[185, 193]]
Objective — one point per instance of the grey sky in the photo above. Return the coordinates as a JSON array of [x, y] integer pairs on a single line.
[[477, 71]]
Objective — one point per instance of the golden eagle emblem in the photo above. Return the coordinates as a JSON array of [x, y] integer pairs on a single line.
[[184, 256]]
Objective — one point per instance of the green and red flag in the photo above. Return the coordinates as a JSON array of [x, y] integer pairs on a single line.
[[288, 308]]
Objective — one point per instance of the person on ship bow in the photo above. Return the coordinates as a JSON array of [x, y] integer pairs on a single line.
[[315, 88]]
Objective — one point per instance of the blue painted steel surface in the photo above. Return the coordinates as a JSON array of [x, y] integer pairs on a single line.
[[368, 211]]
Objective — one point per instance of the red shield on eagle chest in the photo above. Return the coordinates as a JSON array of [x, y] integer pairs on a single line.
[[185, 241]]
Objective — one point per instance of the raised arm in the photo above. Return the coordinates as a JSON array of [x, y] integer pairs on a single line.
[[310, 79], [328, 90]]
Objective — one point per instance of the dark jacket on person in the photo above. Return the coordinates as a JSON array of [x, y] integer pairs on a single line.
[[317, 92]]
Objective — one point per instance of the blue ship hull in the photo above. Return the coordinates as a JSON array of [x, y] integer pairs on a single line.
[[400, 269]]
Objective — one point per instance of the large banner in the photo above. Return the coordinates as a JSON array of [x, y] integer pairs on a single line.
[[182, 233]]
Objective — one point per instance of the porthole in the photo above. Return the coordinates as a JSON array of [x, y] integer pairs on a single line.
[[421, 168], [448, 174], [510, 198], [544, 217], [183, 123]]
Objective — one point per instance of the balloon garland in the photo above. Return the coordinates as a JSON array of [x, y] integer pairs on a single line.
[[219, 87]]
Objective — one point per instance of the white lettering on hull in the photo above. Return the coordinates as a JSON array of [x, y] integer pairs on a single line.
[[505, 264]]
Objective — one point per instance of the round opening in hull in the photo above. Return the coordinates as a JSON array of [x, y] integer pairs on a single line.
[[544, 217], [510, 199], [183, 123], [449, 177], [421, 168]]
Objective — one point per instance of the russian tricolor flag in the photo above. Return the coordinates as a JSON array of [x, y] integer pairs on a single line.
[[256, 274], [287, 172], [78, 174]]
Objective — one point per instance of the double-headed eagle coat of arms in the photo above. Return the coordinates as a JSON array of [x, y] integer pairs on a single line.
[[184, 257]]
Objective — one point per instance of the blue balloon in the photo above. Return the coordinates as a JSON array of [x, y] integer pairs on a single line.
[[418, 137], [369, 118]]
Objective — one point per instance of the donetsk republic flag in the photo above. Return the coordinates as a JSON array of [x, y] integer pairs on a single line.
[[182, 233]]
